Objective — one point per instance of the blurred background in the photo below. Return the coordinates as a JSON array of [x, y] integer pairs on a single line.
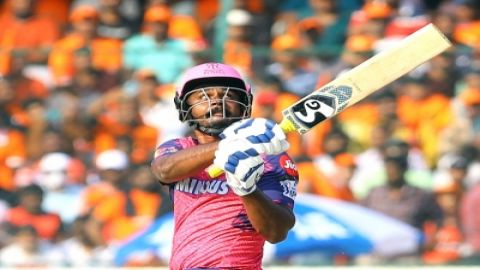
[[86, 95]]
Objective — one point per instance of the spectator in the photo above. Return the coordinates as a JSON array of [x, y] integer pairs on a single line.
[[12, 149], [55, 141], [7, 199], [238, 45], [62, 194], [401, 200], [154, 46], [4, 206], [185, 27], [23, 86], [106, 53], [471, 154], [294, 72], [130, 9], [378, 110], [356, 50], [468, 113], [447, 240], [336, 165], [442, 74], [112, 23], [335, 185], [155, 99], [30, 212], [88, 77], [112, 168], [28, 251], [133, 210], [432, 115], [336, 142], [45, 140], [470, 217], [264, 104], [25, 32], [118, 123], [57, 11], [468, 22], [36, 125], [371, 169], [325, 28], [452, 172], [372, 18], [86, 247]]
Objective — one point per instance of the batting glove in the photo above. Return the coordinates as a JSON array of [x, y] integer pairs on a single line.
[[265, 135], [242, 164]]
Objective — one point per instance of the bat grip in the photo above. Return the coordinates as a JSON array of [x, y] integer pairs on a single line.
[[286, 125]]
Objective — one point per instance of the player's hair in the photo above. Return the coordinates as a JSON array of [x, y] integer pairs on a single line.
[[212, 75]]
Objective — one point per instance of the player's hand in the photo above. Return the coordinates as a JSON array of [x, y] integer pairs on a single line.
[[265, 135], [242, 164]]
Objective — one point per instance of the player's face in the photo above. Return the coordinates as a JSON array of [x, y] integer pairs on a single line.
[[212, 105]]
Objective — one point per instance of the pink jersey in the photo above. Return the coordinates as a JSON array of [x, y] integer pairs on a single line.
[[212, 229]]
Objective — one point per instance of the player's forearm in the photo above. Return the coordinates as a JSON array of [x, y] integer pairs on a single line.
[[271, 220], [184, 163]]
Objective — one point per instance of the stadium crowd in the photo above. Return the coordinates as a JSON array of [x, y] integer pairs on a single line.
[[86, 95]]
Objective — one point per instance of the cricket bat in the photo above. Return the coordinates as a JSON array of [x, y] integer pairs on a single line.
[[361, 81]]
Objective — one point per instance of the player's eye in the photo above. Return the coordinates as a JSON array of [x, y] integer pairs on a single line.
[[229, 95], [202, 96]]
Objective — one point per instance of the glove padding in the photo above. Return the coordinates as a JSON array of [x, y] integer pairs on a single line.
[[242, 164], [265, 136]]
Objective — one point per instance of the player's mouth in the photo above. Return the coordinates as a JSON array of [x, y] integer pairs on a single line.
[[216, 112]]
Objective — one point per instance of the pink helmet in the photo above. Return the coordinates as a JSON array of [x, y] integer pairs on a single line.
[[209, 72]]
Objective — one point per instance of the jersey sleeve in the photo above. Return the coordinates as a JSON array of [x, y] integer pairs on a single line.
[[165, 149], [168, 148], [280, 180]]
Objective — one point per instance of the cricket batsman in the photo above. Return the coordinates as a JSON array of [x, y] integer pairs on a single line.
[[223, 222]]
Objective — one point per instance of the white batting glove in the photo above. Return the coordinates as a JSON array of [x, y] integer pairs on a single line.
[[242, 164], [265, 135]]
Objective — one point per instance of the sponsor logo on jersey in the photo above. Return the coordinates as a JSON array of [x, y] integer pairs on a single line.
[[289, 188], [164, 151], [198, 187], [288, 166]]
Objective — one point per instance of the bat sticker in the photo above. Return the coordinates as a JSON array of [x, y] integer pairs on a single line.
[[343, 93], [314, 109], [320, 105]]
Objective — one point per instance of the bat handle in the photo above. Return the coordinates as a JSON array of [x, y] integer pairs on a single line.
[[286, 125], [214, 171]]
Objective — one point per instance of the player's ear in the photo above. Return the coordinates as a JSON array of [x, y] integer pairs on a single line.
[[176, 100], [249, 100], [178, 103]]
